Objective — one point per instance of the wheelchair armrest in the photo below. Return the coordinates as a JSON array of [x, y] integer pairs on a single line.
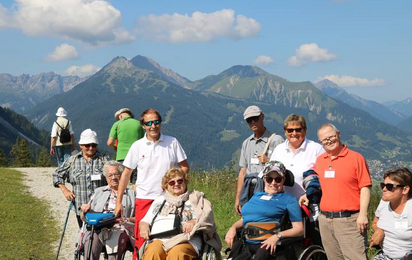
[[288, 240]]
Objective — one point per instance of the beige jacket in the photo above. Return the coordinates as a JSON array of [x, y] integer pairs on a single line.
[[205, 223]]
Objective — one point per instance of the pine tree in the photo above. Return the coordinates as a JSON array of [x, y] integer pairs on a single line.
[[44, 158], [3, 159], [21, 153]]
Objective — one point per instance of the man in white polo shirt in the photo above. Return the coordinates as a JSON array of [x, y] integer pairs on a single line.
[[152, 155]]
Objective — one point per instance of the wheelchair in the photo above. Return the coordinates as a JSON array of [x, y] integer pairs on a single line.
[[94, 222], [299, 248], [207, 252]]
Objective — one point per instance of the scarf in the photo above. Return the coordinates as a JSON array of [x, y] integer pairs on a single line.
[[173, 203]]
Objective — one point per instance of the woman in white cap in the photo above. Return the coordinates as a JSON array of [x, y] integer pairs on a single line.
[[83, 170], [62, 137]]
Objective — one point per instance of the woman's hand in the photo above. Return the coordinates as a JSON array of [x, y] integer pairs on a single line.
[[188, 227], [144, 230], [230, 236], [377, 238], [85, 208], [270, 244]]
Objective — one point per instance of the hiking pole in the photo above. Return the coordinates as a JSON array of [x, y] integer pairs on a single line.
[[64, 229]]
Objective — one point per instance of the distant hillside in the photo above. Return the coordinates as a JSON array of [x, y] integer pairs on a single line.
[[208, 119], [13, 125], [167, 74], [404, 107], [406, 124], [21, 93], [377, 110]]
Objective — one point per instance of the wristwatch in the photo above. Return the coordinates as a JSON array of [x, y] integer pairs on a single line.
[[279, 235]]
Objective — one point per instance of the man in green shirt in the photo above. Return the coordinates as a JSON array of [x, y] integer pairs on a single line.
[[126, 130]]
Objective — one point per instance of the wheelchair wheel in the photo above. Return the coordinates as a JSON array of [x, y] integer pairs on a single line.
[[210, 254], [313, 253], [78, 255]]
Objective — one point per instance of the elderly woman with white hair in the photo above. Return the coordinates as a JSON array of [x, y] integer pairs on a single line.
[[104, 200]]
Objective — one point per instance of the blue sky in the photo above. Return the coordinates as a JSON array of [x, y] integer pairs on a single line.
[[363, 46]]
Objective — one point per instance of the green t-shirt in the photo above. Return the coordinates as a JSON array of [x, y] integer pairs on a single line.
[[127, 130]]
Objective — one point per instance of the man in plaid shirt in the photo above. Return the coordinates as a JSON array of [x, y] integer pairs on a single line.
[[84, 171]]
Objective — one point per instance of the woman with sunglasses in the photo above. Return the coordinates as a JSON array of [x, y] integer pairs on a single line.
[[269, 206], [392, 225], [195, 214]]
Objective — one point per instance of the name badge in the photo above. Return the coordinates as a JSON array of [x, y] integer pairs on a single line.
[[329, 174], [254, 160], [266, 197], [96, 177], [401, 224]]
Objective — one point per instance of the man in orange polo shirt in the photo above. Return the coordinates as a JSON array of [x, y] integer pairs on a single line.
[[346, 187]]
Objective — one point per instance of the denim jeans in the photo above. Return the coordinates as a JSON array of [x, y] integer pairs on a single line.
[[62, 153]]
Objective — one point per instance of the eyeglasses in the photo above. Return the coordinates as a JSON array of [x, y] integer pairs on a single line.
[[329, 139], [90, 145], [253, 118], [172, 183], [390, 186], [270, 179], [117, 175], [150, 123], [297, 130]]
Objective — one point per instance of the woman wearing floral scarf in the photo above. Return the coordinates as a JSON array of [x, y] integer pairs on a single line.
[[196, 215]]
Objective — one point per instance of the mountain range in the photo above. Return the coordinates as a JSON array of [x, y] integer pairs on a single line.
[[23, 92], [206, 115]]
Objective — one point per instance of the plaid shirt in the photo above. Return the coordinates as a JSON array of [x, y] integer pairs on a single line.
[[78, 172]]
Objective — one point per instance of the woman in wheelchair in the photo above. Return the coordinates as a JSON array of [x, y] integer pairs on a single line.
[[178, 222], [268, 206], [104, 200]]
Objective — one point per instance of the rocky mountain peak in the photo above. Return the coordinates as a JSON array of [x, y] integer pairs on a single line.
[[325, 84], [245, 71]]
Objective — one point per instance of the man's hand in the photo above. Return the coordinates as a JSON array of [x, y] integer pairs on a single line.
[[67, 193], [51, 151], [377, 238], [362, 223], [263, 158], [270, 243], [85, 208], [238, 207], [303, 200], [118, 209]]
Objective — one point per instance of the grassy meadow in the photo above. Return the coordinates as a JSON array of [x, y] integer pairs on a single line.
[[26, 228]]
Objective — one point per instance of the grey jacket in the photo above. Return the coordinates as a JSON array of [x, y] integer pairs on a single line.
[[101, 195]]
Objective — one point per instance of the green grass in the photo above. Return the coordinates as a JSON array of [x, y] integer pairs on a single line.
[[26, 229]]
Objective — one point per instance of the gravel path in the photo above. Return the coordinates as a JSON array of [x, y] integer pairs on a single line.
[[40, 184]]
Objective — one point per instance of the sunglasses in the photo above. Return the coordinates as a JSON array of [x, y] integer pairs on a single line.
[[297, 130], [150, 123], [172, 183], [270, 179], [253, 118], [390, 186], [90, 145]]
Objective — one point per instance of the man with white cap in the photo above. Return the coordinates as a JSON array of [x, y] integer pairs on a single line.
[[58, 145], [256, 151], [83, 170], [126, 130]]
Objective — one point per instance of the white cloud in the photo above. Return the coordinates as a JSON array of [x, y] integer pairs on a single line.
[[82, 71], [200, 27], [310, 52], [95, 22], [62, 52], [263, 60], [349, 81]]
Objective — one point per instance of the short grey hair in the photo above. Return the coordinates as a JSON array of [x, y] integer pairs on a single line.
[[111, 163], [328, 125]]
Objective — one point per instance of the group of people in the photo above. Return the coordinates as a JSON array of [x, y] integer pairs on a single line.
[[332, 180]]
